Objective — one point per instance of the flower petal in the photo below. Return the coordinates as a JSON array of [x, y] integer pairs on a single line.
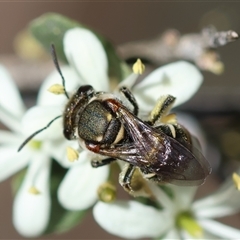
[[183, 196], [12, 161], [10, 98], [72, 82], [180, 79], [7, 137], [78, 190], [9, 120], [59, 152], [219, 229], [215, 211], [161, 196], [172, 234], [31, 212], [217, 199], [85, 52], [129, 81], [132, 220], [39, 117]]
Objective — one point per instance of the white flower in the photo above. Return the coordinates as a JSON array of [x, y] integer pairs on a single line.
[[78, 190], [88, 64], [26, 205], [31, 210], [180, 79], [179, 218]]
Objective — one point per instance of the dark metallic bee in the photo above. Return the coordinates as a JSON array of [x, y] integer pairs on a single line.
[[161, 150], [105, 126]]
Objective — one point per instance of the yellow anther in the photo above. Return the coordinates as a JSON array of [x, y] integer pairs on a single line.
[[138, 67], [72, 154], [56, 89], [188, 223], [236, 180], [107, 192], [33, 190]]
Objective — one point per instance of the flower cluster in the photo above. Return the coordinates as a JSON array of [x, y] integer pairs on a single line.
[[180, 217], [88, 65]]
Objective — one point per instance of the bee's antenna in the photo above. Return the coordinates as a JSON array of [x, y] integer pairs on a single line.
[[55, 60], [35, 133]]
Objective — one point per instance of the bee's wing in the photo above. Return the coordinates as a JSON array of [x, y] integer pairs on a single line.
[[155, 152], [182, 166]]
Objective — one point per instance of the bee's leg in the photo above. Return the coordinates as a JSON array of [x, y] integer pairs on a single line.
[[132, 180], [129, 96], [161, 110], [125, 177], [103, 162]]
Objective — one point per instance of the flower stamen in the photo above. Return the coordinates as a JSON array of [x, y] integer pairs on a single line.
[[138, 67], [33, 190], [236, 180], [107, 192], [57, 89], [72, 154], [186, 221]]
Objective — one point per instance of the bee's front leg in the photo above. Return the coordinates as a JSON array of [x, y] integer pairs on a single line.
[[103, 162], [130, 97]]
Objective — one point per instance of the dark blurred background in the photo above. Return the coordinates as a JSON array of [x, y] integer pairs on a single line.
[[216, 104]]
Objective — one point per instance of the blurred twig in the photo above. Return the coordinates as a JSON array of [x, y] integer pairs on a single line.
[[199, 48]]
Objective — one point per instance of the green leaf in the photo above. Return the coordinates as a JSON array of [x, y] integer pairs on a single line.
[[51, 27], [61, 220]]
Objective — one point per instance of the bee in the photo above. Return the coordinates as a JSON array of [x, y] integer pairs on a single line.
[[162, 151]]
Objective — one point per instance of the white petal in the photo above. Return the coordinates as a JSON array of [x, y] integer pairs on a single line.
[[161, 196], [215, 212], [31, 211], [180, 79], [172, 234], [12, 161], [72, 82], [10, 98], [59, 153], [78, 190], [183, 196], [85, 52], [129, 81], [131, 220], [219, 229], [217, 199], [7, 137], [10, 120], [39, 117]]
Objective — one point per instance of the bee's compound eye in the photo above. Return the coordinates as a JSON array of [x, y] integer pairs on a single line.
[[67, 133]]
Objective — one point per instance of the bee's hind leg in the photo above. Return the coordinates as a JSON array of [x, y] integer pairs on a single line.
[[160, 112], [133, 181]]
